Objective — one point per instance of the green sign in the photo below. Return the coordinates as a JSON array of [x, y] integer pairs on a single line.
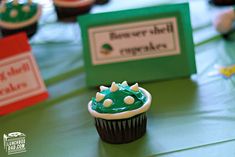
[[138, 45]]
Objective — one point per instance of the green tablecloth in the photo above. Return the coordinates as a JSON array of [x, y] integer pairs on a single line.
[[189, 116]]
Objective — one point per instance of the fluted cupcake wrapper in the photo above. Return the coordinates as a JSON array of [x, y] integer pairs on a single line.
[[70, 14], [29, 30], [123, 130]]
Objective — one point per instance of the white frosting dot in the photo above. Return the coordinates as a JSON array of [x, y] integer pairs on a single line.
[[26, 8], [13, 13], [129, 100], [135, 87], [107, 103]]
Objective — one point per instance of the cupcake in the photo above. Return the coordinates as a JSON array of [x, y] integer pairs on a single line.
[[68, 10], [120, 112], [222, 2], [17, 17]]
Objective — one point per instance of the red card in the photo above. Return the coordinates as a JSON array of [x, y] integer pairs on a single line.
[[20, 81]]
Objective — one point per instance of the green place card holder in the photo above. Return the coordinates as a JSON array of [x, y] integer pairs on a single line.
[[138, 45]]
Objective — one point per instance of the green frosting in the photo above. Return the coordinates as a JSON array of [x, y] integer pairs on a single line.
[[21, 14], [118, 100]]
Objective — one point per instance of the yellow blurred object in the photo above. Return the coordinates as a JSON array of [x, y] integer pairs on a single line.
[[227, 71]]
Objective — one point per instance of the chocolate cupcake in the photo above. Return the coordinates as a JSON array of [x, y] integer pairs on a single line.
[[222, 2], [68, 10], [19, 17], [120, 112]]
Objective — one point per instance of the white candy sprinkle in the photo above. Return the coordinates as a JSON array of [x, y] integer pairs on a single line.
[[135, 87], [102, 88], [99, 97], [107, 103], [129, 100], [124, 83], [114, 87]]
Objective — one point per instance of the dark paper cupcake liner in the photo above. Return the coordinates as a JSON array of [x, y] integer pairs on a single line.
[[29, 30], [70, 14], [123, 130]]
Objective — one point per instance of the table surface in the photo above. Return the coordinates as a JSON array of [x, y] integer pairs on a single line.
[[188, 117]]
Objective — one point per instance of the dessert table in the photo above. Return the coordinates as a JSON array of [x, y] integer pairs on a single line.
[[188, 117]]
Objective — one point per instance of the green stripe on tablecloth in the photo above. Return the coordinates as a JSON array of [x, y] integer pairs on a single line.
[[202, 26], [210, 39]]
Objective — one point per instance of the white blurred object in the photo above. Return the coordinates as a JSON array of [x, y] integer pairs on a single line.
[[224, 21]]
